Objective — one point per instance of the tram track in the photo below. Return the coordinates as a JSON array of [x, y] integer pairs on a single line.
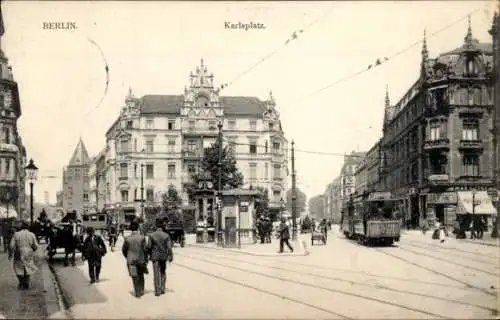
[[264, 291], [493, 261], [317, 287], [450, 262], [353, 282], [330, 268], [451, 248], [442, 274]]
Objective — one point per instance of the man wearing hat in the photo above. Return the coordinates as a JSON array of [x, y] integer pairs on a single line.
[[135, 250], [93, 251], [160, 250]]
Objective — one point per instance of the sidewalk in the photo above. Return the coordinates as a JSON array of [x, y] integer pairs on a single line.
[[34, 303], [257, 249]]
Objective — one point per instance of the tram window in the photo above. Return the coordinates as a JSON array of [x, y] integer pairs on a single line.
[[85, 218], [102, 218], [93, 218]]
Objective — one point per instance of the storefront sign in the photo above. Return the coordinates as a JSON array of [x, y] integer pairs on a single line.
[[442, 198], [379, 195]]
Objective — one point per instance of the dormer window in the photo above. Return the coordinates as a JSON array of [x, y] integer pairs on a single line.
[[271, 126], [129, 124], [471, 68]]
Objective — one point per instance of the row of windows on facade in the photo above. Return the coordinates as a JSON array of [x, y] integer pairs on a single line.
[[191, 168], [7, 136], [193, 146], [212, 124], [78, 172], [462, 96], [438, 129], [438, 166], [8, 168]]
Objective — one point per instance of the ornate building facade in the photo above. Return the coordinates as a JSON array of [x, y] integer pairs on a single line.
[[162, 138], [12, 151], [76, 181], [437, 140]]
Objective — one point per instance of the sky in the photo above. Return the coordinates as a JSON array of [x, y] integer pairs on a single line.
[[152, 46]]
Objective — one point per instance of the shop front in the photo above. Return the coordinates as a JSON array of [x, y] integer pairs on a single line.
[[441, 207]]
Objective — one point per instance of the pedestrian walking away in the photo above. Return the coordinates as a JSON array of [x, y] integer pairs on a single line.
[[160, 251], [93, 251], [22, 249], [284, 235], [134, 249]]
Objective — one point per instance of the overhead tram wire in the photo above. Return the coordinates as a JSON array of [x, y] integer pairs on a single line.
[[295, 36], [380, 61]]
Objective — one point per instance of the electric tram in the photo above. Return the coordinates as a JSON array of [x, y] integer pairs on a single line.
[[370, 218]]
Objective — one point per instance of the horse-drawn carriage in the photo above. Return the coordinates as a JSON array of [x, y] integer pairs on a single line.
[[176, 233], [67, 234]]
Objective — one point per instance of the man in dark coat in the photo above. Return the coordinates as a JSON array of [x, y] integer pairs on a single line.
[[284, 235], [93, 251], [135, 251], [160, 251]]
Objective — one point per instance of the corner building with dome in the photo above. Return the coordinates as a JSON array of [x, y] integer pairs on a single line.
[[165, 135]]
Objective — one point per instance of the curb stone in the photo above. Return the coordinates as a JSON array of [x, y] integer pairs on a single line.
[[61, 311]]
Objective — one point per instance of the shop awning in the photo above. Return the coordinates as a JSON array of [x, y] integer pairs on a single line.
[[12, 213], [482, 203]]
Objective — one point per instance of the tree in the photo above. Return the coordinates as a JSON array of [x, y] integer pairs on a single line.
[[316, 207], [171, 205], [230, 175], [262, 202], [301, 200]]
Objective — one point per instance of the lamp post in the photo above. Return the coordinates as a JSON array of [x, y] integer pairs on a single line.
[[282, 207], [31, 173], [142, 192]]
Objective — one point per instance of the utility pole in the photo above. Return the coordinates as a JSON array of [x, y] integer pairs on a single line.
[[142, 191], [294, 196], [219, 185]]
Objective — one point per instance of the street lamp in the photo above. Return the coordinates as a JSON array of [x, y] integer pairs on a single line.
[[282, 207], [31, 173]]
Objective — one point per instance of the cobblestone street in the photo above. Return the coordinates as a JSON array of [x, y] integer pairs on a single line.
[[419, 278]]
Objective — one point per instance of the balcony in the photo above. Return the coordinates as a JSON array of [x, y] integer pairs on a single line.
[[471, 145], [192, 154], [438, 179], [186, 178], [200, 131], [9, 147], [437, 144]]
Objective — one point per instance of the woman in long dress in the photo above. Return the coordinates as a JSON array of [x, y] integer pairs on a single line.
[[22, 249]]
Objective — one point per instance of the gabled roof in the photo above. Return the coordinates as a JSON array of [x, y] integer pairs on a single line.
[[80, 155], [171, 104]]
